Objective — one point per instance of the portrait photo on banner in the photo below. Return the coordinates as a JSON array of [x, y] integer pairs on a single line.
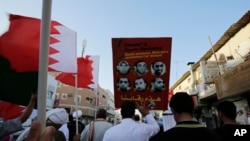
[[141, 69]]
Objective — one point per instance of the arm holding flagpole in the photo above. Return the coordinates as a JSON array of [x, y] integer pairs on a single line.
[[29, 109]]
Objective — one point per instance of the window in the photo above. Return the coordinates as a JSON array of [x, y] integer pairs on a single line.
[[59, 84], [78, 98], [57, 96], [70, 94], [103, 96], [89, 100], [230, 57], [179, 87], [64, 96]]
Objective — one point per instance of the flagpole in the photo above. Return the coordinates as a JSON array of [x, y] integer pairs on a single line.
[[43, 62], [84, 44], [76, 103], [76, 92], [96, 101]]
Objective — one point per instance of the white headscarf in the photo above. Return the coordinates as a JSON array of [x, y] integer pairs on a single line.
[[57, 115]]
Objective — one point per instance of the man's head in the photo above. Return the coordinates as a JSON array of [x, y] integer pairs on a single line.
[[158, 68], [56, 117], [128, 109], [140, 84], [157, 85], [141, 67], [101, 113], [123, 84], [226, 108], [123, 67], [181, 102]]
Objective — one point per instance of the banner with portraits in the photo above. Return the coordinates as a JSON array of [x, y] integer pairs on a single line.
[[141, 68]]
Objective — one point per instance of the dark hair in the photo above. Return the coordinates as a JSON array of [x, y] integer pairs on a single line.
[[227, 108], [123, 62], [101, 113], [182, 102], [128, 109], [137, 117], [71, 118], [145, 82]]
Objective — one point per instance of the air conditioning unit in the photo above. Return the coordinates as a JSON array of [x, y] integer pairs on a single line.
[[70, 94]]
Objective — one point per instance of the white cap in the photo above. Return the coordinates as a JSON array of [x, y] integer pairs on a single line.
[[57, 115], [77, 114]]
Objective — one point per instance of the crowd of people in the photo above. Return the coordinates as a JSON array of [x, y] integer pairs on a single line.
[[60, 126]]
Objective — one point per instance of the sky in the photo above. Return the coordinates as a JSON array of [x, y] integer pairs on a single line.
[[189, 23]]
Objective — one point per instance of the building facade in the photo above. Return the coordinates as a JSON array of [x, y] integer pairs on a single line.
[[222, 73], [88, 100]]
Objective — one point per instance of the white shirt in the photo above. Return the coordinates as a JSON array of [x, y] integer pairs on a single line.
[[130, 130], [65, 130], [99, 129]]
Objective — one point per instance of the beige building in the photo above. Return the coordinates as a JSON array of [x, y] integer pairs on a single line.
[[89, 100], [222, 73]]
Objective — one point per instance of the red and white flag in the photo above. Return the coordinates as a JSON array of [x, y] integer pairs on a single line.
[[87, 74], [20, 45], [10, 110]]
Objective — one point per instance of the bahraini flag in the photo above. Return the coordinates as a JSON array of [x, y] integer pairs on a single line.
[[20, 45], [87, 74], [10, 110]]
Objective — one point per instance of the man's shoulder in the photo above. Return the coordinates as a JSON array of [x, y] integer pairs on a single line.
[[103, 123], [108, 123], [185, 132], [111, 129]]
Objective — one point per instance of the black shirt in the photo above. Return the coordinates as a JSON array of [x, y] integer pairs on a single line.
[[72, 128], [189, 131]]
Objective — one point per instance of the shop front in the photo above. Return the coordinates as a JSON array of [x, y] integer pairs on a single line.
[[207, 99], [234, 85]]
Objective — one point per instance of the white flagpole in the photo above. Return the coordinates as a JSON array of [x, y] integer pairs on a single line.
[[76, 90], [96, 86], [43, 61], [96, 101], [76, 103]]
